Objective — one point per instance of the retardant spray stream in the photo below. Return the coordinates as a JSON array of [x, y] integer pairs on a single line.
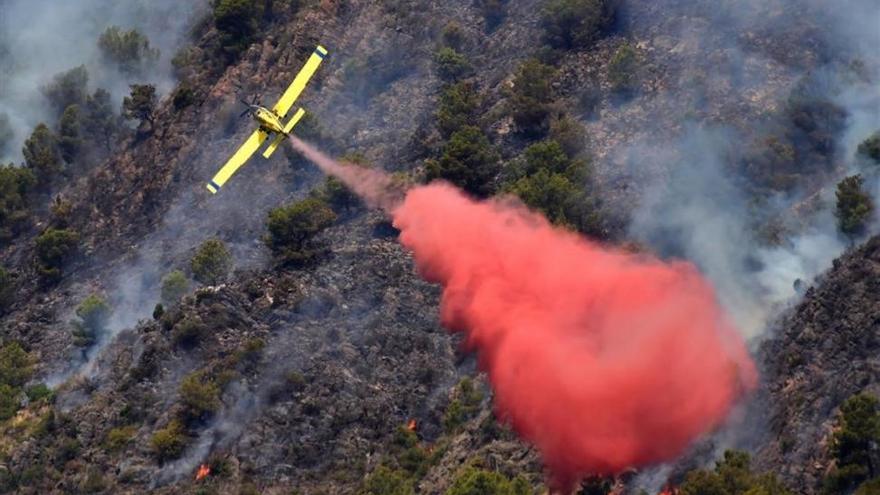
[[602, 359]]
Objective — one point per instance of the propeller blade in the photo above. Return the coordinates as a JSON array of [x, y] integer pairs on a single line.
[[245, 113]]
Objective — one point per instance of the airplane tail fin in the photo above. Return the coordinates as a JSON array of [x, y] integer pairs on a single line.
[[287, 128]]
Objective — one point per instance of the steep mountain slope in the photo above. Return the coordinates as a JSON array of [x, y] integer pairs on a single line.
[[306, 377], [824, 352], [327, 384]]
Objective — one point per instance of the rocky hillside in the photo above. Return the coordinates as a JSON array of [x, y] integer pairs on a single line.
[[315, 363], [825, 352]]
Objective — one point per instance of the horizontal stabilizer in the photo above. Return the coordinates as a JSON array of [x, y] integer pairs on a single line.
[[287, 128]]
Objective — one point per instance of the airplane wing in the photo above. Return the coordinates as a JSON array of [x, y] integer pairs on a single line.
[[237, 160], [299, 82]]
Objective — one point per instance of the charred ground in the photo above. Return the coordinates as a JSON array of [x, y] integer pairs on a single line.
[[301, 369]]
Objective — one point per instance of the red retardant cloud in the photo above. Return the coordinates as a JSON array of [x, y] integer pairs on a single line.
[[604, 360]]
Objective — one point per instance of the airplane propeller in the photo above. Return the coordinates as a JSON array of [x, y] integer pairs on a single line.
[[248, 108], [255, 101]]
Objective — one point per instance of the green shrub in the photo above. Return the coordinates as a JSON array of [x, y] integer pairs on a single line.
[[385, 481], [551, 193], [39, 393], [129, 50], [493, 12], [569, 134], [851, 444], [7, 289], [211, 262], [458, 106], [251, 352], [470, 395], [451, 65], [554, 184], [453, 36], [338, 196], [118, 438], [598, 485], [464, 405], [67, 88], [174, 286], [869, 488], [870, 148], [474, 481], [15, 370], [183, 97], [549, 155], [237, 22], [100, 121], [623, 70], [702, 482], [414, 461], [68, 449], [15, 365], [292, 229], [335, 193], [93, 313], [854, 205], [294, 382], [405, 438], [199, 395], [53, 248], [94, 482], [576, 23], [15, 184], [10, 401], [188, 332], [732, 476], [168, 443], [7, 134], [469, 161], [531, 97], [42, 158], [69, 140], [454, 416], [140, 104]]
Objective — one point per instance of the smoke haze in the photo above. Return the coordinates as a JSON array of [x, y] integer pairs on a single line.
[[42, 38], [603, 360], [695, 203], [375, 187]]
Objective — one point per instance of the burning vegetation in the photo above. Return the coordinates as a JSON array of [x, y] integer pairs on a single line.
[[203, 472]]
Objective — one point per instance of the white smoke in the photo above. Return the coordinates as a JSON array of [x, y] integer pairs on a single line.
[[42, 38], [705, 211]]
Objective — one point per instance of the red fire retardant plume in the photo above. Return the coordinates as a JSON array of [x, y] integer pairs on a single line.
[[603, 360]]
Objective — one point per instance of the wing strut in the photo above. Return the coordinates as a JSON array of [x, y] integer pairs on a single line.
[[287, 128]]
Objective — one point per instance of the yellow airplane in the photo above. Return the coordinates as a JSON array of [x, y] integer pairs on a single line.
[[270, 122]]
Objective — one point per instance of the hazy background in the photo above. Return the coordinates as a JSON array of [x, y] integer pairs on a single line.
[[41, 38]]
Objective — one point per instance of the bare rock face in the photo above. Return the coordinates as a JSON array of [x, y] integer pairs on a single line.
[[823, 353]]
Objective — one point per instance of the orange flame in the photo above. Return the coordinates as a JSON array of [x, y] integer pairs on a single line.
[[669, 490], [411, 425], [202, 472]]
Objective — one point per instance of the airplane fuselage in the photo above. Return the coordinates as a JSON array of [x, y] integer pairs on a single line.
[[268, 120]]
